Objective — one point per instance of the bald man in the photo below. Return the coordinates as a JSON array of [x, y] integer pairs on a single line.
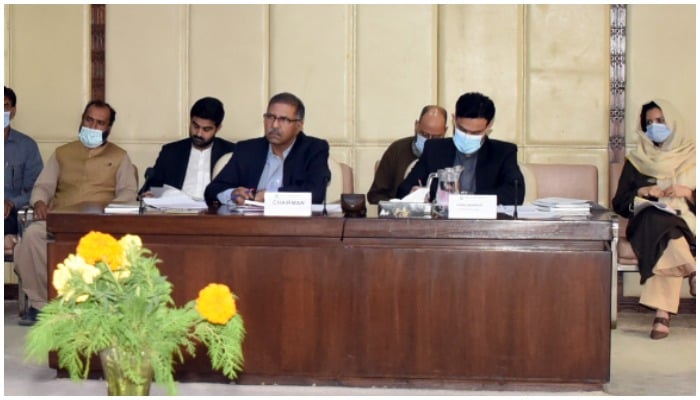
[[403, 153]]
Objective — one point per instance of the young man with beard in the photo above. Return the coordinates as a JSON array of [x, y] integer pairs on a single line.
[[284, 160], [188, 163]]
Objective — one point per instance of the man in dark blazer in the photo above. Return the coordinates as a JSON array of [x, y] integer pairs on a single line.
[[188, 164], [490, 166], [284, 160]]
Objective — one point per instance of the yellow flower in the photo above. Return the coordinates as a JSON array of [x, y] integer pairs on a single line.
[[216, 304], [97, 246], [63, 272]]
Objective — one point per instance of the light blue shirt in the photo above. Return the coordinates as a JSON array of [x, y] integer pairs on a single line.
[[272, 174], [22, 166], [270, 178]]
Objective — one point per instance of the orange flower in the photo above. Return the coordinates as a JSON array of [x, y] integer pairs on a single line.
[[97, 246], [216, 304]]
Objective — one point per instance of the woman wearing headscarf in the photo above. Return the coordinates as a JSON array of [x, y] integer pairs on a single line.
[[661, 168]]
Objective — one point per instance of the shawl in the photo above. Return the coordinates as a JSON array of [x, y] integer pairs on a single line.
[[671, 163], [674, 157]]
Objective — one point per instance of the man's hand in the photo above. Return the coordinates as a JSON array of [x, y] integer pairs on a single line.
[[241, 194], [260, 196], [40, 210], [8, 207]]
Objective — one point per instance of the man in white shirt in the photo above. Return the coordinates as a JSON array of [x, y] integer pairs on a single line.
[[201, 151]]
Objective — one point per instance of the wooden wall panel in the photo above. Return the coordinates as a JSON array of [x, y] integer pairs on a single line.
[[396, 69], [567, 94], [228, 59], [311, 56], [480, 50], [47, 65], [147, 75], [661, 61]]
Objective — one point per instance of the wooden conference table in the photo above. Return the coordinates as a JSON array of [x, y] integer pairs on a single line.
[[396, 302]]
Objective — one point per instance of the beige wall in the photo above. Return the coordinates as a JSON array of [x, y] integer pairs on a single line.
[[363, 71], [661, 61]]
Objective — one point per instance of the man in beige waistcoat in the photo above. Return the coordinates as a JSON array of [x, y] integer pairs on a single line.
[[87, 170]]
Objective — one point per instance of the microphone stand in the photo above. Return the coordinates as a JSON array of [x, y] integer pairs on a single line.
[[515, 201], [325, 191]]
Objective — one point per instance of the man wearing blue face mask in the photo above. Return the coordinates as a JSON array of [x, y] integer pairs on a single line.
[[22, 166], [87, 170], [403, 153], [489, 166]]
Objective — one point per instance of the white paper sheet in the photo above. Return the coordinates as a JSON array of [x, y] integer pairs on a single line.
[[170, 198], [417, 196], [528, 212]]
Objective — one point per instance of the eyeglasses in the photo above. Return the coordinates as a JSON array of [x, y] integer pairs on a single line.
[[271, 118], [429, 136]]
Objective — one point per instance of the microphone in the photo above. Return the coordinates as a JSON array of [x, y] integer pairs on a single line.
[[326, 181], [148, 174], [515, 201]]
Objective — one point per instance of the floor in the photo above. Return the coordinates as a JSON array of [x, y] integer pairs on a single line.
[[639, 366]]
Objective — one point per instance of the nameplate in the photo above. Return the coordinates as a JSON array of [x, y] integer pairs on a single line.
[[287, 204], [472, 206]]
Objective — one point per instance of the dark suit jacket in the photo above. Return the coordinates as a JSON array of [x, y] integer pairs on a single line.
[[171, 164], [496, 169], [305, 168]]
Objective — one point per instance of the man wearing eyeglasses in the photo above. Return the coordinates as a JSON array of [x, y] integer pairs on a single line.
[[489, 166], [403, 153], [284, 160]]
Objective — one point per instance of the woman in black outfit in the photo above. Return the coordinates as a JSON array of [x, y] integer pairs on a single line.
[[661, 168]]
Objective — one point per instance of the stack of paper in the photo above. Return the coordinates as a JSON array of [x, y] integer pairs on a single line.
[[171, 199], [528, 212], [563, 206], [251, 207], [122, 208]]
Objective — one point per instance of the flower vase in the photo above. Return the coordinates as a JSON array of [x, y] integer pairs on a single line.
[[126, 373]]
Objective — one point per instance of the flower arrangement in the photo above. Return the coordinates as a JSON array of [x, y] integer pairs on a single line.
[[111, 296]]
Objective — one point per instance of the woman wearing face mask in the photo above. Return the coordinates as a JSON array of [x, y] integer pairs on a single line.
[[660, 168]]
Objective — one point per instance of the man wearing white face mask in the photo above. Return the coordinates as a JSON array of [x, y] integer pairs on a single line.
[[401, 154], [22, 166], [489, 166], [87, 170]]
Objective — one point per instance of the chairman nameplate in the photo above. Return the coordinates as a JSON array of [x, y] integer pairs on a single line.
[[287, 204]]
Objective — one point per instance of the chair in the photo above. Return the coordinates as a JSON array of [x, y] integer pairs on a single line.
[[341, 181], [25, 216], [220, 164], [576, 181]]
